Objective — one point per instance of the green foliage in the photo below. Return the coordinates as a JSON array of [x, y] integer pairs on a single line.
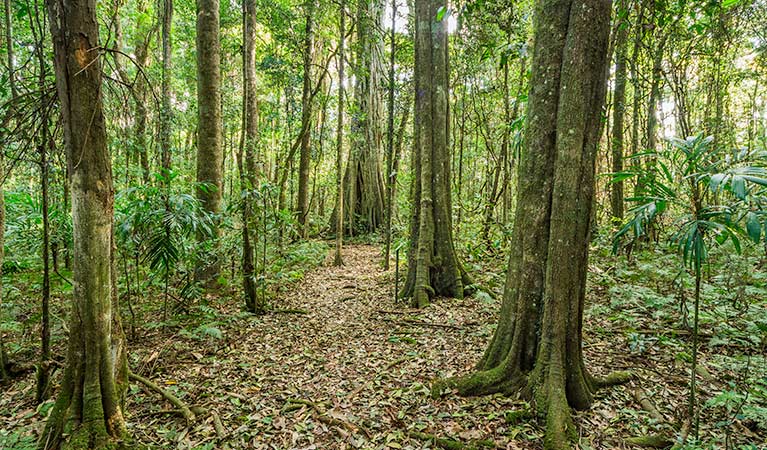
[[711, 190]]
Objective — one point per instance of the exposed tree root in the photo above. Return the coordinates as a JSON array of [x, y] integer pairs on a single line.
[[185, 411], [483, 382], [650, 441], [451, 444], [517, 416], [324, 417], [641, 398], [614, 379], [656, 440], [549, 400], [288, 311], [423, 324]]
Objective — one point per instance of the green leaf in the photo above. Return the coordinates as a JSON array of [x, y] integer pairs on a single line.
[[738, 185], [753, 227], [441, 13]]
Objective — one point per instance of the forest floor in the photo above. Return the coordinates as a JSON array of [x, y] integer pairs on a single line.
[[355, 372]]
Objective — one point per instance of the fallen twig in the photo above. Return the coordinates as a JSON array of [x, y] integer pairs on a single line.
[[323, 416], [288, 311], [422, 324], [451, 444]]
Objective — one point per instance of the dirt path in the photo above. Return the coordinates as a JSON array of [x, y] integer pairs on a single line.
[[366, 361]]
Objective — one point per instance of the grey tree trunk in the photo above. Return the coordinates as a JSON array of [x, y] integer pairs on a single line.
[[248, 176], [306, 117], [364, 187], [619, 107], [339, 223], [536, 349], [210, 153], [89, 402], [433, 267], [166, 111], [12, 81]]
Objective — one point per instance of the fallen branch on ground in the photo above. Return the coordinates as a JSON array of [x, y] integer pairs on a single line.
[[288, 311], [323, 416], [451, 444], [422, 324]]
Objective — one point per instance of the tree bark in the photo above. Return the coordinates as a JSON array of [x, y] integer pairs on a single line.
[[365, 190], [619, 107], [390, 136], [166, 111], [210, 154], [88, 409], [306, 117], [9, 49], [433, 267], [3, 175], [338, 259], [536, 349], [248, 176]]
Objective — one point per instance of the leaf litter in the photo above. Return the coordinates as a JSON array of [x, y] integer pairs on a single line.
[[355, 372]]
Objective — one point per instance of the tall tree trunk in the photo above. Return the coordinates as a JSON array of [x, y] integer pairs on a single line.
[[461, 142], [433, 267], [3, 175], [9, 50], [619, 107], [390, 135], [536, 348], [339, 224], [210, 152], [166, 111], [306, 117], [89, 402], [655, 94], [43, 374], [636, 88], [364, 184], [248, 169], [3, 355]]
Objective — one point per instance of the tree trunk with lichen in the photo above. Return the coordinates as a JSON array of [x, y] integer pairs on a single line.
[[166, 110], [536, 349], [339, 214], [247, 159], [302, 210], [88, 410], [210, 152], [364, 189], [619, 108], [433, 267]]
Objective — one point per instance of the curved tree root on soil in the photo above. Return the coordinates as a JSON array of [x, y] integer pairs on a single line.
[[549, 400]]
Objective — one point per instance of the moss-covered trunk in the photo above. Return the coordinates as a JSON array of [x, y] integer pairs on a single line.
[[88, 410], [433, 267], [210, 152], [536, 348]]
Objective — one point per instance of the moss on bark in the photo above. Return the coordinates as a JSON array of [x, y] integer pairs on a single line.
[[536, 349], [88, 410], [433, 267]]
